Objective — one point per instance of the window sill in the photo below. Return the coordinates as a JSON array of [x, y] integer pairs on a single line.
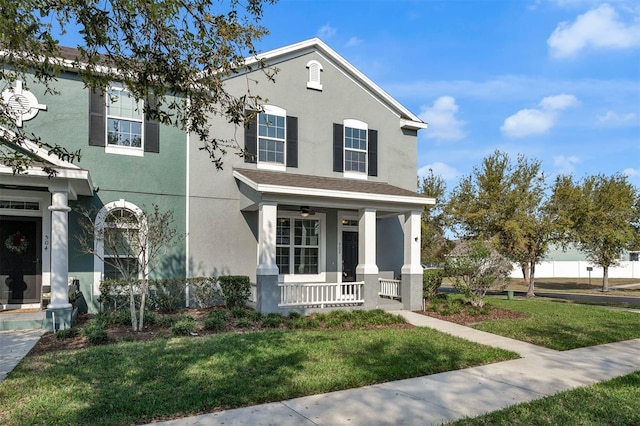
[[293, 278], [124, 150], [355, 175], [272, 166]]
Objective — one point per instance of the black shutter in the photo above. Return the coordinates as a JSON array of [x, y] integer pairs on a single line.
[[373, 153], [97, 119], [338, 147], [251, 138], [292, 141], [151, 130]]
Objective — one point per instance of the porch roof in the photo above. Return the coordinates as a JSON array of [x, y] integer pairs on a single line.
[[273, 182]]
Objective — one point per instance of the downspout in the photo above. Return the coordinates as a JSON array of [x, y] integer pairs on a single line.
[[187, 220]]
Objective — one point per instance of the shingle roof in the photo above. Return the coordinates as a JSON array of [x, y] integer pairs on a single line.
[[281, 179]]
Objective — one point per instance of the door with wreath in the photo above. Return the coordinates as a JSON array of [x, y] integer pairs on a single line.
[[20, 260]]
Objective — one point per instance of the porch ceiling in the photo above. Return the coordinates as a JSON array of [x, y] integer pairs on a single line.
[[329, 192]]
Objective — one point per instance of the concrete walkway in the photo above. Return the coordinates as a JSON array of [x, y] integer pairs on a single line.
[[14, 345], [445, 396]]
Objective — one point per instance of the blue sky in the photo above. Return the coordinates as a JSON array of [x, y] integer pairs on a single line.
[[557, 80]]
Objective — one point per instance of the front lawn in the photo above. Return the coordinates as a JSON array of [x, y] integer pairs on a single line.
[[562, 325], [138, 382], [615, 402]]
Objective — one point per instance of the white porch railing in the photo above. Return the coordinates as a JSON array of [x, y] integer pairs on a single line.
[[320, 294], [389, 288]]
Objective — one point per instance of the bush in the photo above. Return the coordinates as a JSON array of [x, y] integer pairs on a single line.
[[95, 332], [184, 326], [167, 294], [217, 320], [67, 333], [236, 290], [431, 281], [206, 291], [272, 320], [244, 323]]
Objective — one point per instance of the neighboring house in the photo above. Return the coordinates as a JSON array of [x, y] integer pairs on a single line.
[[322, 211], [127, 164], [323, 204], [572, 263]]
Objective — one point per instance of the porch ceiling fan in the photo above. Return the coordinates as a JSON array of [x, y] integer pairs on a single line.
[[306, 211]]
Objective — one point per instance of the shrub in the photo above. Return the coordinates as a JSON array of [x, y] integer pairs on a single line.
[[217, 320], [206, 291], [272, 320], [67, 333], [431, 281], [294, 315], [184, 326], [95, 332], [236, 290], [244, 323], [167, 294]]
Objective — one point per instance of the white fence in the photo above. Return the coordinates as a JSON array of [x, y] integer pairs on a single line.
[[578, 269], [321, 294], [389, 288]]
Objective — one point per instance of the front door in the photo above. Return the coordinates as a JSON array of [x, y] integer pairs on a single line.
[[20, 263], [349, 256]]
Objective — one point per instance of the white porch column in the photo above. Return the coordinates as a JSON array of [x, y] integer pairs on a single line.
[[267, 291], [367, 269], [412, 269], [59, 248]]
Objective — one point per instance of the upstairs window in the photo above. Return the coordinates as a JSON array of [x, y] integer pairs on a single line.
[[355, 149], [124, 119], [271, 138], [117, 122]]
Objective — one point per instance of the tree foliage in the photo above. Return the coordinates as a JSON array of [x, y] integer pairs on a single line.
[[504, 202], [133, 245], [435, 245], [156, 49], [477, 268], [600, 214]]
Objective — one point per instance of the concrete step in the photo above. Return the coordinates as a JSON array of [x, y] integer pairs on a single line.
[[22, 320]]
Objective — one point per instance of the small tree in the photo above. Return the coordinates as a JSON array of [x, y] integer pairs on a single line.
[[434, 244], [131, 244], [477, 268]]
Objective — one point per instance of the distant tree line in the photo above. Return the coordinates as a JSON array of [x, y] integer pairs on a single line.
[[511, 205]]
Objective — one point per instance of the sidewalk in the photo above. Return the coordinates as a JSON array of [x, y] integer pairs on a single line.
[[14, 345], [446, 396]]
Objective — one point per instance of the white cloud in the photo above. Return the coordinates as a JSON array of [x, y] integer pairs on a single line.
[[326, 32], [528, 122], [442, 120], [558, 102], [443, 170], [631, 172], [599, 28], [353, 42], [615, 118], [565, 165]]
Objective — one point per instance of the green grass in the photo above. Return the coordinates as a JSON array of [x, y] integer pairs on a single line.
[[139, 382], [563, 325], [615, 402]]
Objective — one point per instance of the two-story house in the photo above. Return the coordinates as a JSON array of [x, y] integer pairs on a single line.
[[128, 163], [322, 209]]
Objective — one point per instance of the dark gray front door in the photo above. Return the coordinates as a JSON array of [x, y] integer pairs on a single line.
[[20, 263], [349, 256]]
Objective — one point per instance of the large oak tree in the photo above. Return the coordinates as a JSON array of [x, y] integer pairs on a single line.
[[155, 48]]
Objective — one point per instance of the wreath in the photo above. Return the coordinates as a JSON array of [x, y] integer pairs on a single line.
[[16, 243]]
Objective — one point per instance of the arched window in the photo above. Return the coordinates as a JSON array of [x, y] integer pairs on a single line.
[[315, 68], [119, 230]]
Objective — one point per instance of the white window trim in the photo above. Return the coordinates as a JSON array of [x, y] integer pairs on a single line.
[[354, 124], [321, 276], [100, 222], [118, 149], [315, 71], [273, 110]]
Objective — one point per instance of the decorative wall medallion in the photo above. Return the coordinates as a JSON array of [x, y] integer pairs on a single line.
[[22, 104]]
